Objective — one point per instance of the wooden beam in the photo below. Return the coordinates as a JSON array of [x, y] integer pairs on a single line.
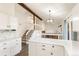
[[27, 8]]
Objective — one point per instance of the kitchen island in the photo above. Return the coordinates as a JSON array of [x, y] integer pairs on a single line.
[[39, 46]]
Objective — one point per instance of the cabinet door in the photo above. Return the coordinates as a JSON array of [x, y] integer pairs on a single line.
[[4, 21], [12, 47], [5, 49], [13, 22], [59, 50], [32, 49], [15, 46], [43, 49]]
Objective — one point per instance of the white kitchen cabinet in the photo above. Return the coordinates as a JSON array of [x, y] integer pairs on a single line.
[[3, 21], [15, 47], [4, 48], [8, 22], [13, 22], [32, 49], [42, 49], [5, 51], [10, 47], [59, 50], [12, 52]]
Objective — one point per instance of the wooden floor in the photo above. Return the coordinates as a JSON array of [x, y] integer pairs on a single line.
[[24, 51]]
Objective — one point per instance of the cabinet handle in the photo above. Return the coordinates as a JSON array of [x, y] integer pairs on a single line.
[[19, 24], [5, 55], [52, 46], [16, 43], [16, 40], [51, 53], [8, 26], [43, 49], [43, 45], [5, 43], [4, 48]]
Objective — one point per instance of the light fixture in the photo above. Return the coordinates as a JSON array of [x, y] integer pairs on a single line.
[[50, 18]]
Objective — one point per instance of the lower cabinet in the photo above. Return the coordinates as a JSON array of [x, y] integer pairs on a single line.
[[59, 50], [4, 51], [10, 48], [15, 47], [32, 49], [41, 49]]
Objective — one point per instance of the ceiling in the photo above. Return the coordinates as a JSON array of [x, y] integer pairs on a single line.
[[58, 10]]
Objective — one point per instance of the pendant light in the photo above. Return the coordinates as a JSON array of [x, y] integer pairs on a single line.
[[50, 18]]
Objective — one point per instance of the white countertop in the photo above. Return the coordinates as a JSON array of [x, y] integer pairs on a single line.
[[6, 35], [71, 47]]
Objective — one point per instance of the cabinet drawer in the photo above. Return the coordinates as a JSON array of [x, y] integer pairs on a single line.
[[4, 54], [4, 51], [4, 44], [43, 49], [43, 45]]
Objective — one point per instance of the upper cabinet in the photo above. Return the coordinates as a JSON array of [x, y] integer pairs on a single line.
[[7, 12], [7, 8], [7, 22], [13, 15], [3, 21]]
